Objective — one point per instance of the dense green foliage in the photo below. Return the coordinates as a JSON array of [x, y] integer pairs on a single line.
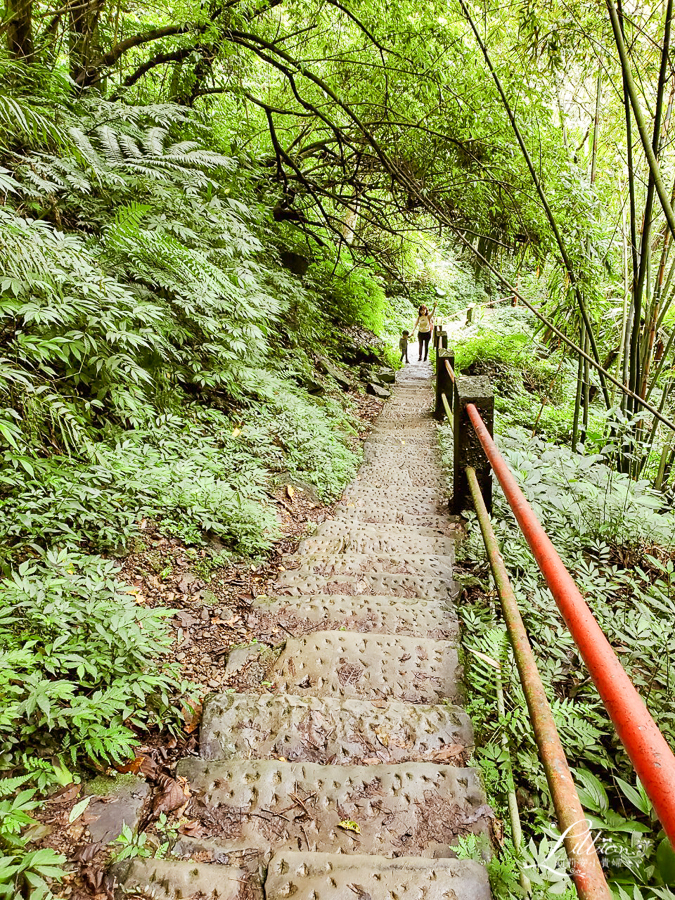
[[202, 206], [618, 540]]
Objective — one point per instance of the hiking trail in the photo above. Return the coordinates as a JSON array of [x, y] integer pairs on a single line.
[[337, 772]]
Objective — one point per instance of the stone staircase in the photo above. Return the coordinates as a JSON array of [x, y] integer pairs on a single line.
[[340, 773]]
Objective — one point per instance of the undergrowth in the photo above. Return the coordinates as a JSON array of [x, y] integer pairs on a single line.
[[618, 541], [158, 363]]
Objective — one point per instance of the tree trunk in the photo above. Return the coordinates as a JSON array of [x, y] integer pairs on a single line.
[[84, 16], [20, 29]]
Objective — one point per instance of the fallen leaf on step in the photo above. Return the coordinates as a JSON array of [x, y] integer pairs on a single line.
[[361, 892], [173, 794], [192, 829], [451, 753], [348, 825], [382, 737], [192, 715]]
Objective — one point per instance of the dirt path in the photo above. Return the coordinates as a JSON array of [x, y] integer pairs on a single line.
[[333, 766]]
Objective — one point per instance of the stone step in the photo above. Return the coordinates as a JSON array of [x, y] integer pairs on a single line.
[[418, 809], [368, 667], [356, 529], [367, 490], [329, 730], [358, 563], [174, 879], [399, 457], [391, 545], [328, 876], [349, 513], [401, 478], [417, 617], [319, 876], [403, 430], [428, 587], [401, 505]]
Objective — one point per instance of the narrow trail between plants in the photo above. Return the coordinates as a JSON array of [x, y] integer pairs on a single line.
[[338, 768]]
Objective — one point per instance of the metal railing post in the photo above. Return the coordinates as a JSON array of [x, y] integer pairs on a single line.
[[468, 450], [444, 383]]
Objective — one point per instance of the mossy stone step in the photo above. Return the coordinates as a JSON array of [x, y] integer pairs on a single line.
[[416, 617], [415, 809], [330, 730], [368, 667]]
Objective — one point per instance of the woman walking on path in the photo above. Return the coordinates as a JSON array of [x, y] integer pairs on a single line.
[[425, 323]]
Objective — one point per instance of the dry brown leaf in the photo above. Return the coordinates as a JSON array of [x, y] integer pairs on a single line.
[[382, 737], [134, 766], [192, 716], [451, 753], [173, 794], [192, 829], [66, 794]]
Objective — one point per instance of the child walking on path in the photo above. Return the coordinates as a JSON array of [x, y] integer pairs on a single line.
[[403, 345]]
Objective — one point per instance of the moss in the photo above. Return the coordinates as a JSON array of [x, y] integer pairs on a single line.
[[103, 785]]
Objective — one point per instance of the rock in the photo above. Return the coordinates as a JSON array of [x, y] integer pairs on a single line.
[[314, 387], [308, 491], [377, 391], [386, 376], [296, 263], [337, 374], [117, 802]]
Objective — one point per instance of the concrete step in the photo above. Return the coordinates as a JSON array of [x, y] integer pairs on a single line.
[[417, 809], [389, 545], [355, 530], [174, 879], [417, 617], [319, 876], [329, 730], [425, 586], [401, 477], [436, 566], [327, 876], [392, 510], [394, 496], [349, 513], [368, 667]]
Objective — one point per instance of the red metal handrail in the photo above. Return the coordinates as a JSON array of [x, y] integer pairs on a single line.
[[651, 756], [572, 822]]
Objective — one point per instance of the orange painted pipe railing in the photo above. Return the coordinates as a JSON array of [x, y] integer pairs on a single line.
[[651, 756]]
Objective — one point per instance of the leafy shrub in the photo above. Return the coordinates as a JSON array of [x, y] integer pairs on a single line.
[[23, 872], [617, 543], [76, 674]]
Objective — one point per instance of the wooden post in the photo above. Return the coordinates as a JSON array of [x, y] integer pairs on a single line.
[[444, 383], [468, 450], [469, 315]]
